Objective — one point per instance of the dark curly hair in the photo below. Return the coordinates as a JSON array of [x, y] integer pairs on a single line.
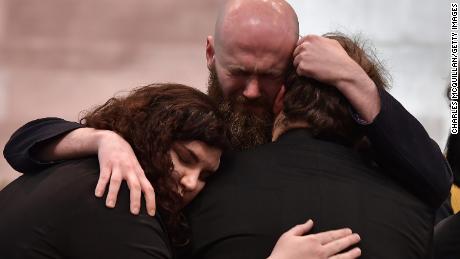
[[151, 118], [323, 107]]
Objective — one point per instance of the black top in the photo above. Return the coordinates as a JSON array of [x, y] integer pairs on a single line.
[[403, 147], [260, 194], [447, 238], [54, 214], [405, 154]]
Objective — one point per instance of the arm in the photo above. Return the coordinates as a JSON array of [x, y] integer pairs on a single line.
[[20, 150], [404, 148], [40, 143], [407, 152], [294, 244], [325, 60]]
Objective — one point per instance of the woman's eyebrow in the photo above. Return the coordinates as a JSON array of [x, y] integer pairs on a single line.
[[191, 154]]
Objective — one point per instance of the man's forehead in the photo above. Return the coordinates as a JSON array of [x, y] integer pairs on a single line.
[[279, 69]]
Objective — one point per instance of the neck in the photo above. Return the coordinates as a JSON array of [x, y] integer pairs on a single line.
[[282, 125]]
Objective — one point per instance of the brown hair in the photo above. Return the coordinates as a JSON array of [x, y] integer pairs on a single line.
[[322, 106], [151, 118]]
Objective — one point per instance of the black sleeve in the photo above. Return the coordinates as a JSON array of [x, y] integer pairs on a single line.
[[19, 149], [99, 232], [444, 211], [94, 231], [406, 151]]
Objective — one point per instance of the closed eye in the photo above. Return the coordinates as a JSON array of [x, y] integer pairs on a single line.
[[185, 155]]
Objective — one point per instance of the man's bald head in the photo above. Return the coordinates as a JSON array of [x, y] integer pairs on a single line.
[[256, 18], [248, 57]]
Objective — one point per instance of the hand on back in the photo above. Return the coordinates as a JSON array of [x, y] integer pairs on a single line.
[[294, 244]]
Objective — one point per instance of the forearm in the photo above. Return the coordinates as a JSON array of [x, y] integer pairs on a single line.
[[361, 92], [77, 143], [19, 149]]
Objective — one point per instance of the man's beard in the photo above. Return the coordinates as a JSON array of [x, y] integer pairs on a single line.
[[247, 128]]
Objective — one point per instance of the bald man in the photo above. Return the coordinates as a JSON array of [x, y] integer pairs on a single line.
[[254, 44], [248, 57]]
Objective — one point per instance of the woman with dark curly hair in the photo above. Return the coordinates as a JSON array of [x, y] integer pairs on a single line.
[[178, 135]]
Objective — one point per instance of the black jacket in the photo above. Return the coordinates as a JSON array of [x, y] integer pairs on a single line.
[[54, 214], [405, 154]]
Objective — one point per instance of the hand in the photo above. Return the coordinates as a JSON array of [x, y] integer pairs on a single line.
[[117, 163], [325, 60], [293, 244]]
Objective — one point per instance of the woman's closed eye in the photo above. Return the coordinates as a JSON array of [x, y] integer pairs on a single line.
[[185, 155]]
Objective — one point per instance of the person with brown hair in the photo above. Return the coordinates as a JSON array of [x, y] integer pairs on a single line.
[[322, 164], [248, 56], [178, 135]]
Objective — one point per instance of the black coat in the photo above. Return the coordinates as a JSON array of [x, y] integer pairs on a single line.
[[259, 194]]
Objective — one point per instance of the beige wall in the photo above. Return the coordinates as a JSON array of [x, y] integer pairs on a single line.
[[60, 57]]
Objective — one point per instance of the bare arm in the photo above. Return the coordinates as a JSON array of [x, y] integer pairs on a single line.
[[325, 60], [77, 143]]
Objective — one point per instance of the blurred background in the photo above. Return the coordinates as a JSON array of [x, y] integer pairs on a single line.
[[58, 58]]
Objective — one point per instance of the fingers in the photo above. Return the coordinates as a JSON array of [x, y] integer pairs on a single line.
[[149, 194], [301, 229], [353, 253], [134, 193], [114, 187], [340, 244], [303, 42], [328, 236], [296, 61], [104, 178]]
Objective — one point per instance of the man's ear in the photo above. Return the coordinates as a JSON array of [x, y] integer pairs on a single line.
[[210, 51], [278, 105]]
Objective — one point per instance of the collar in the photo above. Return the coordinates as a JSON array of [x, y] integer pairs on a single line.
[[294, 134]]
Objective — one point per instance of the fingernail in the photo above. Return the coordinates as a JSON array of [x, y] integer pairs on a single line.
[[98, 194], [135, 210], [110, 203], [357, 236], [152, 213], [308, 221]]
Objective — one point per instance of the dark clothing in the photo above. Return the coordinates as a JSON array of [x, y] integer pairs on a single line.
[[54, 214], [404, 149], [447, 238], [19, 149], [444, 211], [407, 153], [259, 194]]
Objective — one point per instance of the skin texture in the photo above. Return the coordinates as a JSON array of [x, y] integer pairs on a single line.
[[246, 38], [254, 44], [193, 162], [326, 61], [294, 243], [248, 59]]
